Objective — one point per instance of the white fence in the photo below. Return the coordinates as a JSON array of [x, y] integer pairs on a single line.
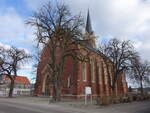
[[17, 92]]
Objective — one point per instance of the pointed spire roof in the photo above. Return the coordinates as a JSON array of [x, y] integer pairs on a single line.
[[88, 24]]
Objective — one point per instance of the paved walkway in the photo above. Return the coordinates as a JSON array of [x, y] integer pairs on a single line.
[[41, 105]]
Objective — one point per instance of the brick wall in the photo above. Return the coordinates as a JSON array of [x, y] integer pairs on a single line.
[[73, 83]]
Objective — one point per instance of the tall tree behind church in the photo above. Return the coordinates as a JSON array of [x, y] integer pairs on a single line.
[[120, 53], [140, 72]]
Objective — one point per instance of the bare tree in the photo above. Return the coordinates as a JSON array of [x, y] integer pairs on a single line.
[[5, 67], [10, 61], [60, 32], [120, 53], [140, 71]]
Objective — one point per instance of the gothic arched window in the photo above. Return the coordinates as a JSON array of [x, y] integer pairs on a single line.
[[84, 71], [92, 71]]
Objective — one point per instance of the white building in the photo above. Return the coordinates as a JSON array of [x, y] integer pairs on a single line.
[[22, 86]]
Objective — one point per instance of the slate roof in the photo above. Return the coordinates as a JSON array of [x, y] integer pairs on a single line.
[[90, 48]]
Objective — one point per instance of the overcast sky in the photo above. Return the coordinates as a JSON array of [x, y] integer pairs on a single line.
[[124, 19]]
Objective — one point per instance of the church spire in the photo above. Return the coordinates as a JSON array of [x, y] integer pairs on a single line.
[[89, 32], [88, 24]]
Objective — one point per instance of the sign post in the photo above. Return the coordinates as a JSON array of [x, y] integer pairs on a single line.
[[88, 91]]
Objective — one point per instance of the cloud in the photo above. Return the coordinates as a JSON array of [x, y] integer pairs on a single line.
[[124, 19], [13, 30], [27, 70], [35, 4], [27, 67], [11, 25], [4, 46]]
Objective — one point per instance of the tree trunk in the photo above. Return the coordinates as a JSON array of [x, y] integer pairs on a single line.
[[56, 93], [12, 84], [113, 95], [11, 88], [141, 88]]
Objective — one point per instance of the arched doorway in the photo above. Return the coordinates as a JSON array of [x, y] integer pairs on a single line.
[[46, 85]]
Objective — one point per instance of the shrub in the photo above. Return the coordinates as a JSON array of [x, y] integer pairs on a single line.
[[105, 100]]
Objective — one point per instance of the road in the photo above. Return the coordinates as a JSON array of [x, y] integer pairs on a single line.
[[13, 107], [23, 106]]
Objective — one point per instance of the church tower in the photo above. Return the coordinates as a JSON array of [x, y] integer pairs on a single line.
[[89, 34]]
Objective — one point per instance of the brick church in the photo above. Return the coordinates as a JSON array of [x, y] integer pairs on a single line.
[[78, 75]]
